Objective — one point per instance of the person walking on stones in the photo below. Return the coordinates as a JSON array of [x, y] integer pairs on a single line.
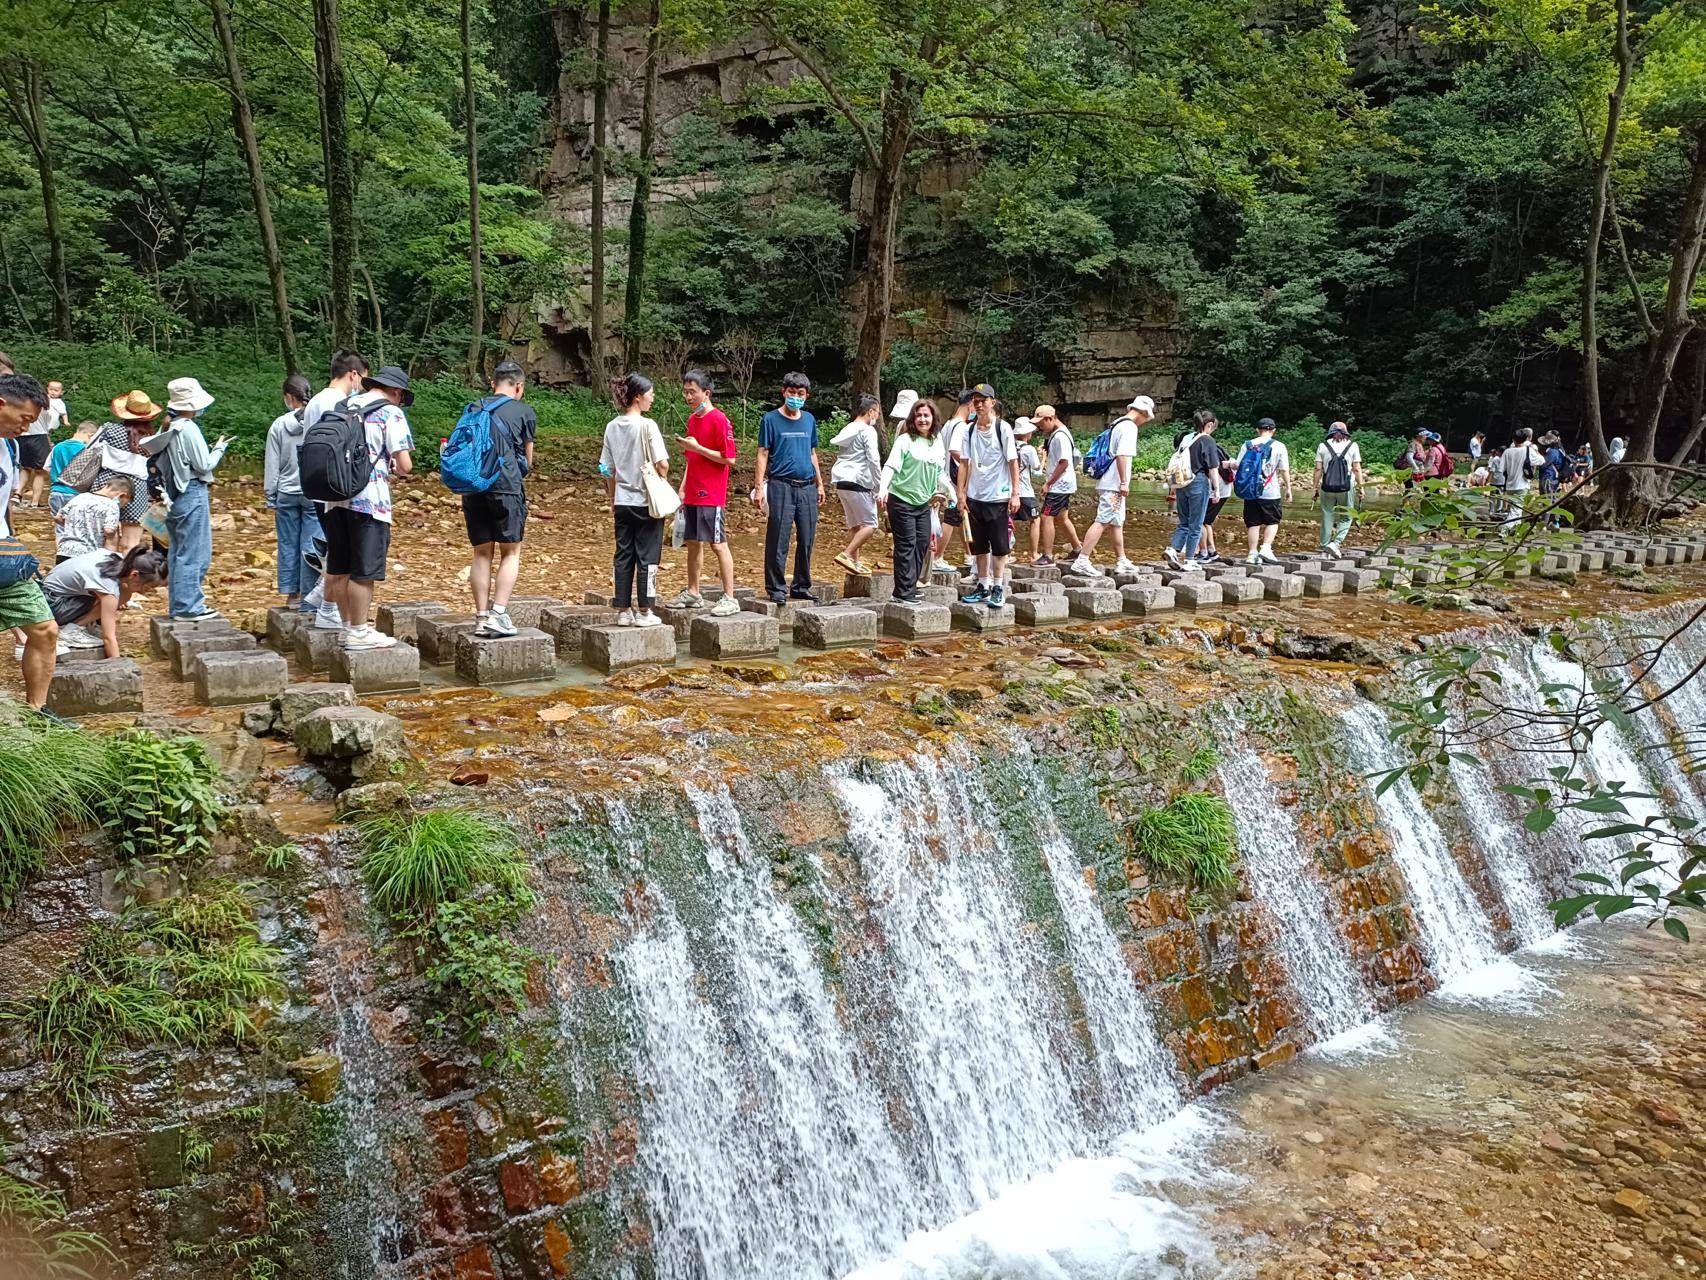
[[120, 443], [1261, 476], [632, 442], [951, 517], [988, 488], [358, 529], [296, 521], [910, 488], [23, 608], [1030, 471], [858, 465], [1520, 464], [790, 490], [1195, 461], [91, 588], [1338, 480], [496, 520], [1113, 487], [348, 368], [1059, 484], [186, 474], [708, 447]]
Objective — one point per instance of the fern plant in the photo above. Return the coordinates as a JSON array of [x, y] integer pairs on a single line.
[[163, 802], [37, 1240]]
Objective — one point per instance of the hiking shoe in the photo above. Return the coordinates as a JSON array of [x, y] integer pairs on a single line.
[[687, 600], [997, 596], [327, 618], [1083, 566], [848, 563], [1044, 562], [802, 596], [361, 639], [977, 595], [648, 619], [74, 636], [1172, 556], [481, 622], [1268, 557], [1252, 559], [1122, 565], [1334, 548], [625, 618], [499, 624], [727, 607]]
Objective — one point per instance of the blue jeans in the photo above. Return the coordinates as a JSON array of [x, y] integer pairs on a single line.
[[191, 555], [1191, 503], [297, 524]]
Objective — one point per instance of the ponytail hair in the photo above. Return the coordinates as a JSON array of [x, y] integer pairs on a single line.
[[625, 390], [1202, 417], [148, 562]]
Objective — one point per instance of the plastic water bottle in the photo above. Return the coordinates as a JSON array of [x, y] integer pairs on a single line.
[[603, 468]]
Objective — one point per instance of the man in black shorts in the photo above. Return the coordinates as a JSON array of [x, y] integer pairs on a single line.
[[497, 518]]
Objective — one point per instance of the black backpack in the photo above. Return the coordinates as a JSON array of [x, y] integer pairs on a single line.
[[333, 459], [1336, 475]]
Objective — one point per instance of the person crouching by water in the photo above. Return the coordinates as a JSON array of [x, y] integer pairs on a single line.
[[909, 488], [633, 442], [92, 588]]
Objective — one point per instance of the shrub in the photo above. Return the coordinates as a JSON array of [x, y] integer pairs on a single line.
[[164, 802], [415, 863], [1192, 836]]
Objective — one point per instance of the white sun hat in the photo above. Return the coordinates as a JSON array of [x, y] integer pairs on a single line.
[[903, 404]]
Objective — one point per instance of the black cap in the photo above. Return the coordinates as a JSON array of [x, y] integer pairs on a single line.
[[509, 370], [985, 390], [1264, 424], [390, 376]]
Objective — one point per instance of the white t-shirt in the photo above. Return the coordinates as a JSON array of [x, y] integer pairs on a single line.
[[1515, 480], [625, 454], [860, 460], [1029, 466], [987, 454], [1278, 460], [1059, 450], [1324, 453], [388, 434], [330, 398], [1123, 445], [49, 419], [8, 482], [954, 438]]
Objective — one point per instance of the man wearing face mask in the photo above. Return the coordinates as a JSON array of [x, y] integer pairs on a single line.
[[790, 489]]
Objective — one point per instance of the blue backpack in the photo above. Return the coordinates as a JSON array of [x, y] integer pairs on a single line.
[[473, 459], [1252, 476], [1101, 455]]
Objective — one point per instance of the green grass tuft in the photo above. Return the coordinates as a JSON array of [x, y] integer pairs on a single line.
[[37, 1241], [51, 779], [415, 863], [1192, 836]]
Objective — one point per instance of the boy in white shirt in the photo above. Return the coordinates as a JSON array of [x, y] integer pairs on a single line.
[[1262, 514], [1113, 486], [1030, 470]]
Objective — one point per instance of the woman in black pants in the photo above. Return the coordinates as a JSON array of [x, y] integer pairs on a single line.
[[911, 483], [633, 442]]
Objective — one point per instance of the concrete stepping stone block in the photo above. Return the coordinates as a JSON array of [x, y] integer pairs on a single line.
[[282, 626], [1359, 582], [740, 635], [1146, 578], [1036, 609], [868, 586], [106, 686], [564, 623], [1144, 600], [944, 577], [236, 679], [1423, 575], [398, 618], [947, 595], [1194, 574], [613, 648], [1194, 593], [598, 597], [783, 613], [435, 635], [314, 648], [912, 621], [1241, 590], [1655, 555], [1593, 560], [1393, 575], [829, 592], [185, 645], [1094, 602], [1320, 582], [529, 654], [393, 670], [829, 626], [980, 617], [161, 627], [296, 702], [678, 620], [1045, 589], [1035, 572], [525, 611], [1086, 580]]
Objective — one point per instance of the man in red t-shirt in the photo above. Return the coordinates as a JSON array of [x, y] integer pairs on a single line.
[[709, 447]]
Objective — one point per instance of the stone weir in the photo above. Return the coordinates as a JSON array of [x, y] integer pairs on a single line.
[[798, 959]]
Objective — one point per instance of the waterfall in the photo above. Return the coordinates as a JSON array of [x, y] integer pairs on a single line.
[[1502, 846], [1671, 670], [1317, 957], [1455, 932]]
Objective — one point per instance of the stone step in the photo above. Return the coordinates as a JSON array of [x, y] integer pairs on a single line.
[[282, 626], [1094, 602], [911, 621], [612, 648], [980, 617], [100, 687], [1039, 609], [435, 636], [399, 617], [239, 678], [160, 627], [1145, 600], [741, 635], [314, 649], [393, 670], [565, 623], [529, 654], [868, 586], [836, 625], [185, 645]]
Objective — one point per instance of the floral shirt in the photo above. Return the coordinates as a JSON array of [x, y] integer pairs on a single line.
[[388, 434], [85, 523]]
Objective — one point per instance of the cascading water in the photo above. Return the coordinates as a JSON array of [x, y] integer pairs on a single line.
[[1670, 672], [1455, 932], [1503, 848], [1317, 958]]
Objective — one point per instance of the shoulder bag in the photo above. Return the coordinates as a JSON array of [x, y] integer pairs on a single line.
[[662, 501]]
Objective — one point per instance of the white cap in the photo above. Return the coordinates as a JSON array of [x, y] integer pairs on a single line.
[[1024, 427], [185, 395], [1144, 403], [903, 404]]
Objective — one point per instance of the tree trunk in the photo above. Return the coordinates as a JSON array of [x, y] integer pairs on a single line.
[[639, 212], [340, 173], [1592, 417], [471, 125], [1676, 323], [243, 121], [23, 98], [600, 82], [872, 350]]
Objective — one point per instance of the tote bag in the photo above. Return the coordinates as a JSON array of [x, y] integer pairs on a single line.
[[662, 501]]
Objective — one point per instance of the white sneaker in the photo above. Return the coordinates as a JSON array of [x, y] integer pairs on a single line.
[[648, 619], [1082, 565], [1334, 548], [1268, 557], [687, 600], [363, 638], [1122, 565], [499, 624], [73, 636], [942, 566], [727, 607], [315, 598], [625, 618], [1173, 558], [327, 617], [1252, 559]]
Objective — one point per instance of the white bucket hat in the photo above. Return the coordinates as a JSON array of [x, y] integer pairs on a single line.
[[1023, 426], [903, 404], [1143, 403], [185, 395]]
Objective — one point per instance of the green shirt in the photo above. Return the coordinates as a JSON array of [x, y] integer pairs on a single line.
[[913, 472]]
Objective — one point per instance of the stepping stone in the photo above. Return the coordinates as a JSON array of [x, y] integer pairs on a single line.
[[783, 613], [980, 617], [398, 618], [1593, 560], [869, 586], [913, 621], [296, 702], [1045, 589], [1189, 593], [714, 594], [1425, 574], [282, 626], [1035, 572], [1036, 609], [1193, 574], [1319, 582], [185, 645], [95, 688], [740, 635], [944, 577], [314, 648], [1397, 575], [1145, 579], [1093, 602], [680, 621], [827, 592], [435, 635], [613, 648], [161, 627], [525, 611], [947, 595], [1359, 582], [599, 597], [235, 679], [828, 626], [1146, 600], [1656, 555], [529, 654], [564, 623], [1241, 590], [1086, 580], [393, 670]]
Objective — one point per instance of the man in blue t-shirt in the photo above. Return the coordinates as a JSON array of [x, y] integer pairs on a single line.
[[789, 489]]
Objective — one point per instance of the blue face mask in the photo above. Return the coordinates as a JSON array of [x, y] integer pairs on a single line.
[[794, 402]]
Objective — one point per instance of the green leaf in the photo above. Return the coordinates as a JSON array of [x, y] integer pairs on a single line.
[[1676, 928], [1540, 820]]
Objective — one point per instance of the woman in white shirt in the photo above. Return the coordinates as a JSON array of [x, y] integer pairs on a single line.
[[855, 475], [633, 442]]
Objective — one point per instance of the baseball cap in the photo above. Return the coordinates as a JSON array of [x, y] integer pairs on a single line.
[[1265, 424], [1142, 402], [1043, 411], [985, 390]]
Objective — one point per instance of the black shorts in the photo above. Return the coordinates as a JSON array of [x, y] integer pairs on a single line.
[[69, 608], [704, 524], [1259, 512], [987, 530], [33, 451], [953, 516], [1214, 507], [494, 517], [357, 545], [1055, 504], [1028, 508]]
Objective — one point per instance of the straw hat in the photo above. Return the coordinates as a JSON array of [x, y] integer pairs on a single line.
[[135, 406], [903, 404], [185, 395]]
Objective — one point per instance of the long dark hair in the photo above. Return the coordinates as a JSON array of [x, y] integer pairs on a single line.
[[1202, 417], [147, 561], [624, 391], [910, 426]]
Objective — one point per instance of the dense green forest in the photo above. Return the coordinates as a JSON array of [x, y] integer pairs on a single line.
[[1469, 215]]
